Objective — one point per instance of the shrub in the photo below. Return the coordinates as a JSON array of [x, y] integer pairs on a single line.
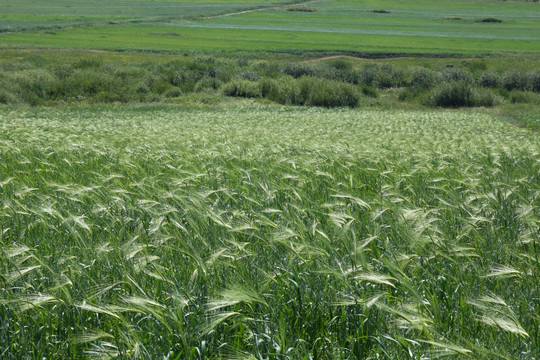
[[369, 91], [457, 94], [457, 74], [411, 93], [318, 92], [284, 90], [515, 80], [206, 84], [141, 88], [490, 79], [327, 71], [35, 85], [90, 82], [490, 20], [88, 63], [184, 78], [387, 76], [341, 64], [368, 73], [484, 97], [127, 73], [534, 80], [157, 85], [271, 89], [250, 75], [173, 92], [7, 97], [520, 97], [423, 78], [297, 70], [301, 9], [310, 91], [242, 88]]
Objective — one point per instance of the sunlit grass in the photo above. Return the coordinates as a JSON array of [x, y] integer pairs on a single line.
[[263, 233]]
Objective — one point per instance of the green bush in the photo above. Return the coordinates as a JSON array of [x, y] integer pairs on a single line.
[[7, 97], [271, 88], [310, 91], [155, 83], [173, 92], [457, 74], [207, 84], [423, 78], [250, 75], [411, 93], [515, 80], [128, 73], [88, 82], [297, 70], [284, 90], [242, 88], [317, 92], [484, 97], [521, 97], [36, 85], [534, 80], [369, 91], [141, 88], [341, 64], [490, 79], [457, 94], [88, 63], [368, 73], [388, 76]]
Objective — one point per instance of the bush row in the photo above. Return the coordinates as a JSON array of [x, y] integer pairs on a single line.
[[306, 90], [329, 84]]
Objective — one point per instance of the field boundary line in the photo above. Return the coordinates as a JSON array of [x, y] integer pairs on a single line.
[[324, 58], [259, 9]]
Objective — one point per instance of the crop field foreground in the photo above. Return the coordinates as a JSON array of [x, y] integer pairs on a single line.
[[267, 233]]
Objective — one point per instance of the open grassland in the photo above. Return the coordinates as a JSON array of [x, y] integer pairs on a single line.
[[24, 15], [419, 26], [256, 233]]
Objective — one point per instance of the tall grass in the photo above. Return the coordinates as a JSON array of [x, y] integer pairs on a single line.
[[267, 233]]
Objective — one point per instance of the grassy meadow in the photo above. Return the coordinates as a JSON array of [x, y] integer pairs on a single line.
[[418, 27], [28, 15], [258, 232]]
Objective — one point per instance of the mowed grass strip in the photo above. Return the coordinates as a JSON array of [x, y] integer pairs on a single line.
[[211, 39], [256, 232]]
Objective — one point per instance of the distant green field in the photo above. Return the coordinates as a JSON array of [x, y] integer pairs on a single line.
[[18, 15], [418, 26]]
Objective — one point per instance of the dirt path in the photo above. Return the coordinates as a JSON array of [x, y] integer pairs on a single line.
[[350, 57], [259, 9]]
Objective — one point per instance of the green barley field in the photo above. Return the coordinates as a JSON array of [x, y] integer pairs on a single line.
[[157, 203], [267, 232]]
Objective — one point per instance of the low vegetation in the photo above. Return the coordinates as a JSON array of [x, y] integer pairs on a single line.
[[332, 83]]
